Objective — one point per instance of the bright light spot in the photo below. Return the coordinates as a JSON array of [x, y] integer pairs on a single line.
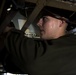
[[8, 9]]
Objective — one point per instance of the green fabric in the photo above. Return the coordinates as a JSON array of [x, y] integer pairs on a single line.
[[39, 57]]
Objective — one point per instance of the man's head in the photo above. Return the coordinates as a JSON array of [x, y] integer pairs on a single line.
[[52, 27]]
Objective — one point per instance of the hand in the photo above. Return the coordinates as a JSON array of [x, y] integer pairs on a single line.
[[7, 29]]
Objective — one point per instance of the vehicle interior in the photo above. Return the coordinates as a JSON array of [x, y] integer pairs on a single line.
[[24, 14]]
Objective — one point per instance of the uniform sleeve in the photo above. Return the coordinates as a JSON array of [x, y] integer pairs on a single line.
[[32, 55], [23, 50]]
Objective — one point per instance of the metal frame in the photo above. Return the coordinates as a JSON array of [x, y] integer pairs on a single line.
[[39, 5], [57, 4]]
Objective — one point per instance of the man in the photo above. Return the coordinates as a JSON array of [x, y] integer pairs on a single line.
[[52, 28], [54, 54]]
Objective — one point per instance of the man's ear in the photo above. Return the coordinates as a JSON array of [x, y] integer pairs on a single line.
[[61, 23]]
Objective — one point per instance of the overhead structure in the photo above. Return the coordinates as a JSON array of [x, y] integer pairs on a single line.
[[39, 5], [63, 4]]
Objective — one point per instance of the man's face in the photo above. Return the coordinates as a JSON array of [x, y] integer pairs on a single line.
[[48, 27]]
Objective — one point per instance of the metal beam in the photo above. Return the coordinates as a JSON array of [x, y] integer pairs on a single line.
[[2, 6], [40, 4], [57, 4], [61, 5]]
